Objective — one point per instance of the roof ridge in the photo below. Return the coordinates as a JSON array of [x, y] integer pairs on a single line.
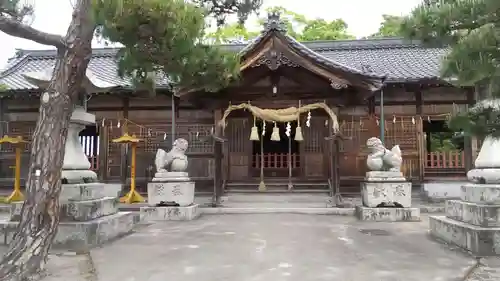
[[324, 45], [15, 65], [37, 53]]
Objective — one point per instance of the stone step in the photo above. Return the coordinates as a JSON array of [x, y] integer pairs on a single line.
[[77, 210], [480, 241], [480, 193], [473, 213], [89, 191], [75, 235]]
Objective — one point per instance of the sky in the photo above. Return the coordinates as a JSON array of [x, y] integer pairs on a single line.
[[362, 16]]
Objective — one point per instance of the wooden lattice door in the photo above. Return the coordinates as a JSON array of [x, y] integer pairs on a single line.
[[315, 158], [238, 132]]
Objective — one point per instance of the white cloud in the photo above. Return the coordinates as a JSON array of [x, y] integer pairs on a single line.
[[362, 16]]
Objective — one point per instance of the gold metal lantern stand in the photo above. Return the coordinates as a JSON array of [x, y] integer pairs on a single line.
[[16, 195], [132, 196]]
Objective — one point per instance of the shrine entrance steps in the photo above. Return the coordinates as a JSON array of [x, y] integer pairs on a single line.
[[274, 185]]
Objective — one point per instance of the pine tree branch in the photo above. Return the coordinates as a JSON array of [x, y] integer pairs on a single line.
[[18, 29]]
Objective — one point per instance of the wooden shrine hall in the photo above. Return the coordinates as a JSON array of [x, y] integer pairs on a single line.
[[353, 78]]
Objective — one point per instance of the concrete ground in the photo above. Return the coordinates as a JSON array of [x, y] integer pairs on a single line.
[[273, 247]]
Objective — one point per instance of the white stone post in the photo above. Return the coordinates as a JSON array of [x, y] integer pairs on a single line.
[[76, 166]]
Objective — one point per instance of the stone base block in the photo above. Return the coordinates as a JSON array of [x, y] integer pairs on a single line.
[[480, 241], [472, 213], [384, 176], [77, 210], [440, 191], [481, 193], [78, 176], [376, 193], [73, 235], [89, 191], [484, 175], [387, 214], [170, 213], [181, 192], [171, 176]]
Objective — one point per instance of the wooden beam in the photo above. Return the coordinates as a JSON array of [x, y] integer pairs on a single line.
[[371, 105], [419, 102]]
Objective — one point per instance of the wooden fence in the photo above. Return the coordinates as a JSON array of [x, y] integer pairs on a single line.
[[445, 159]]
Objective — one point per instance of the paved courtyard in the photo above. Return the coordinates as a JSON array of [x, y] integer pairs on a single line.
[[272, 247]]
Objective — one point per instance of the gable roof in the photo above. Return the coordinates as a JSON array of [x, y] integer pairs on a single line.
[[399, 60], [274, 38]]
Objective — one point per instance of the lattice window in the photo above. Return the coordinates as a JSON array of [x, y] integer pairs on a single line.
[[402, 132], [314, 135], [358, 131], [23, 129]]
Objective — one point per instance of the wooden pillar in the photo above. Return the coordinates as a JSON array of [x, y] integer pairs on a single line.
[[3, 131], [371, 106], [421, 139], [218, 155], [124, 148], [103, 153], [176, 106], [470, 143]]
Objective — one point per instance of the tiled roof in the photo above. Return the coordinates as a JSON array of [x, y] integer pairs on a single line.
[[103, 65], [401, 61]]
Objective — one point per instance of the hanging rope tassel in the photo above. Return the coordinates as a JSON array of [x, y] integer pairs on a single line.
[[298, 134], [254, 134], [275, 136], [298, 129]]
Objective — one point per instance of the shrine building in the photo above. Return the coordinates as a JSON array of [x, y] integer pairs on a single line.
[[355, 78]]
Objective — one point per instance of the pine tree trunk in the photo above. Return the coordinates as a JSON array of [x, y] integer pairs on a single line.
[[28, 251]]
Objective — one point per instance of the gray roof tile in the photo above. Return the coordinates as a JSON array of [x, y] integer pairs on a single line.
[[399, 60]]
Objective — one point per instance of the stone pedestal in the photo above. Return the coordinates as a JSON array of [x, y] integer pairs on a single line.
[[386, 196], [89, 210], [170, 187], [89, 216], [473, 222]]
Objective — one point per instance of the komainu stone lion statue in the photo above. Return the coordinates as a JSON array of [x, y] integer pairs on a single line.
[[382, 159], [173, 161]]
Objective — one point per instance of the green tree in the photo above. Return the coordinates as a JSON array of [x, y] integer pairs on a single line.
[[298, 26], [232, 33], [472, 31], [389, 27], [162, 36]]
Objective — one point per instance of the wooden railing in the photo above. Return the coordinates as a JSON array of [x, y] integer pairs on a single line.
[[276, 160], [447, 159]]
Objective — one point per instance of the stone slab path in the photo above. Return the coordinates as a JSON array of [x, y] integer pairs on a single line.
[[273, 247]]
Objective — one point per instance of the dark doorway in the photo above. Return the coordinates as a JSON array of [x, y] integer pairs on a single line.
[[440, 138], [444, 148], [277, 156], [89, 138]]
